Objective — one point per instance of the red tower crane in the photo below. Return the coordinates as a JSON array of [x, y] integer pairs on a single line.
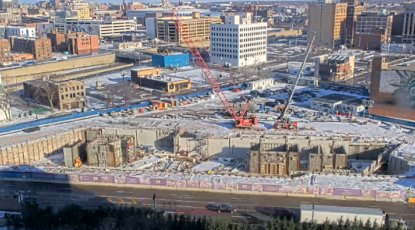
[[241, 121]]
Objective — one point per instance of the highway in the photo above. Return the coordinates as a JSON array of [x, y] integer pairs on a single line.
[[192, 202]]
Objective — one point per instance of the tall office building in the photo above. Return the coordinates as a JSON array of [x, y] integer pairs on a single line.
[[239, 42], [408, 33], [354, 9], [327, 22]]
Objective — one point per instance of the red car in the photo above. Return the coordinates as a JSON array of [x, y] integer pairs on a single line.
[[235, 89]]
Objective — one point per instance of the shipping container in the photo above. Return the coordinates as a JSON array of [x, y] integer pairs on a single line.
[[319, 214], [173, 60]]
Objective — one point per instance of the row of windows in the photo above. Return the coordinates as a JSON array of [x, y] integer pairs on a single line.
[[225, 55], [241, 35], [73, 88], [72, 95], [254, 28], [225, 50], [252, 49], [252, 44]]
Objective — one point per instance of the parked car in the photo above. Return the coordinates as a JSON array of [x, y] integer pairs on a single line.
[[219, 207], [271, 103]]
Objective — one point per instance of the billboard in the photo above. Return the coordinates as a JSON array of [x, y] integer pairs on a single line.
[[43, 176], [219, 185], [326, 191], [171, 182], [245, 187], [347, 192], [88, 29], [89, 178], [368, 193], [192, 184], [107, 179]]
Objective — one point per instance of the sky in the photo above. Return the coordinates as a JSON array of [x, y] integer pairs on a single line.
[[157, 1]]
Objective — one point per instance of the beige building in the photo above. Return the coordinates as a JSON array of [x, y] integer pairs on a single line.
[[66, 95], [328, 22], [81, 8], [194, 27]]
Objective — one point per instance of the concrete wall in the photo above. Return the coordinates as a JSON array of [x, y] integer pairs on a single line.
[[30, 151], [10, 76]]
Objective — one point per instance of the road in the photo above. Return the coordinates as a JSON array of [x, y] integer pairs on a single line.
[[93, 196]]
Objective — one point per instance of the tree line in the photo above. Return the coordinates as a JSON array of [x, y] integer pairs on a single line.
[[74, 217]]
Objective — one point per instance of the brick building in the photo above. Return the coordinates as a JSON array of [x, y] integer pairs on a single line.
[[372, 30], [334, 67], [60, 41], [84, 44], [4, 50], [66, 95], [40, 47]]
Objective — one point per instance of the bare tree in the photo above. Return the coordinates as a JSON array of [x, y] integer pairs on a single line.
[[46, 90], [6, 100], [109, 93]]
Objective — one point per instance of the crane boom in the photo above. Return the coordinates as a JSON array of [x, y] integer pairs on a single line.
[[182, 31], [300, 73]]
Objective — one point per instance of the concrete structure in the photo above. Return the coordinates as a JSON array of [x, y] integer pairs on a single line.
[[319, 161], [27, 32], [66, 95], [372, 30], [397, 24], [110, 150], [334, 103], [104, 28], [275, 160], [81, 8], [281, 33], [239, 42], [71, 153], [4, 51], [392, 90], [25, 73], [402, 160], [303, 81], [328, 21], [354, 8], [145, 78], [408, 29], [84, 44], [127, 45], [397, 48], [334, 67], [60, 41], [319, 214], [40, 48], [197, 28]]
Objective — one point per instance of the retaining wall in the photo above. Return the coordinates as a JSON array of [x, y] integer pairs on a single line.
[[21, 74], [207, 186], [32, 150]]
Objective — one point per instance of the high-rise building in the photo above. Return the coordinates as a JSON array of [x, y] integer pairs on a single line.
[[327, 22], [4, 50], [354, 8], [372, 30], [81, 8], [239, 41], [408, 33]]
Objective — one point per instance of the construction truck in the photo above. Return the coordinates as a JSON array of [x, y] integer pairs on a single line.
[[284, 119]]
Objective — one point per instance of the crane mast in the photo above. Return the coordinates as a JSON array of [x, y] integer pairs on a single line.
[[182, 30], [300, 73]]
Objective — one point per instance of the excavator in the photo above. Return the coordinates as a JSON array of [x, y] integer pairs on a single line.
[[284, 119]]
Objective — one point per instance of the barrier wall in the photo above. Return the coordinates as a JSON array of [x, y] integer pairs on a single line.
[[163, 182]]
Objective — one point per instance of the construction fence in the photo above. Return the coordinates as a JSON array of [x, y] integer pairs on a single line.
[[343, 193]]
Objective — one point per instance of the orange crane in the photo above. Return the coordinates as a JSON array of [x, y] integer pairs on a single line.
[[241, 121]]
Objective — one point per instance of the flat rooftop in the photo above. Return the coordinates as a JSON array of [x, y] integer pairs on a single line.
[[336, 98], [166, 78], [339, 209]]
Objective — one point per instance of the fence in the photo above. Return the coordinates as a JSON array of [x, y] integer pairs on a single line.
[[163, 182]]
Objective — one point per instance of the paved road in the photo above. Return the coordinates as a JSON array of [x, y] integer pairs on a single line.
[[93, 196]]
